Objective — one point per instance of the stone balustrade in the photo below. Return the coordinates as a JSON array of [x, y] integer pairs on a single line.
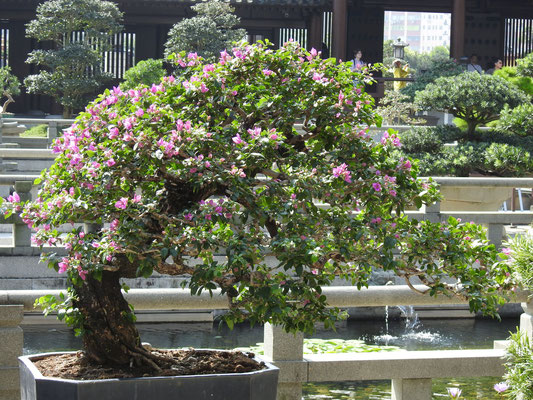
[[410, 372]]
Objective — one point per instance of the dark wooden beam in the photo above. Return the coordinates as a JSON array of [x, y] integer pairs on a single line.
[[340, 29], [457, 39]]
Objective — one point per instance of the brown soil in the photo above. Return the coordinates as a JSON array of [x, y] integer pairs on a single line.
[[185, 362]]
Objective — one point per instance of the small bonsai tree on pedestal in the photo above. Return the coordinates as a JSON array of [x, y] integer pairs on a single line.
[[206, 176], [475, 98], [10, 86]]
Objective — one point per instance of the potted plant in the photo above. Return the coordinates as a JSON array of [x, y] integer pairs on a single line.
[[447, 150], [204, 175], [10, 86]]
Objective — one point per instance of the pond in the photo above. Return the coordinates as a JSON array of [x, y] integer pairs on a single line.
[[430, 334]]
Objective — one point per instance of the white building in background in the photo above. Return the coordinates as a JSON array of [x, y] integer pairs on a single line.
[[423, 31]]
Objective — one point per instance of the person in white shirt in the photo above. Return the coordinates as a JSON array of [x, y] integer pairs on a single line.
[[474, 66]]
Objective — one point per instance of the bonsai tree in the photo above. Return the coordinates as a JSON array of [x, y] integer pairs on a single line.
[[207, 34], [496, 153], [475, 98], [146, 72], [518, 120], [10, 87], [511, 75], [435, 67], [205, 175], [524, 66], [80, 31]]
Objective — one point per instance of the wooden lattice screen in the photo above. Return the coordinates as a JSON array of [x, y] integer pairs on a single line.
[[4, 46], [122, 57], [297, 34], [518, 40], [327, 20]]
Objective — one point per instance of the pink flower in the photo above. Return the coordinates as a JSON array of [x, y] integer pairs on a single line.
[[110, 162], [203, 88], [188, 216], [454, 393], [82, 273], [376, 186], [63, 266], [273, 136], [392, 193], [238, 140], [139, 112], [122, 203], [254, 132], [342, 170], [506, 251], [14, 198], [267, 72], [501, 387], [136, 198], [114, 224]]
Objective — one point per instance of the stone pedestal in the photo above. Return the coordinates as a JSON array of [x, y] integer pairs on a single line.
[[411, 389], [281, 346], [11, 338]]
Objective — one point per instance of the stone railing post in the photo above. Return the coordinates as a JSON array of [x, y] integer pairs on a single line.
[[52, 132], [432, 212], [526, 320], [282, 347], [21, 232], [495, 234], [411, 389], [11, 342]]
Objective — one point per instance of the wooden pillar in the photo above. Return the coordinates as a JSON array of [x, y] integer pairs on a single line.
[[315, 31], [340, 29], [457, 40], [145, 42], [19, 47]]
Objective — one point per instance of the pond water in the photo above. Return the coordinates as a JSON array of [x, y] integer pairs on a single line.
[[427, 335]]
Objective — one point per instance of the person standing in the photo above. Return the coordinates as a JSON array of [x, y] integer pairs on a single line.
[[357, 62], [399, 72], [474, 66]]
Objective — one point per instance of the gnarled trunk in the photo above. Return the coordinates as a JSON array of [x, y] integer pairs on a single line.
[[110, 335]]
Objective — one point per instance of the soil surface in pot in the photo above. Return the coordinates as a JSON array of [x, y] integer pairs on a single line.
[[185, 362]]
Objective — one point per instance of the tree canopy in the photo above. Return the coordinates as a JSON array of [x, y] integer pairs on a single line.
[[80, 31], [207, 34]]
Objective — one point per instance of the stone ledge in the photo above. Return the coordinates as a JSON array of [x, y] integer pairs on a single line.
[[405, 365], [392, 365]]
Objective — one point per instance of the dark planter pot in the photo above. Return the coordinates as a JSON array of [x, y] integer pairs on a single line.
[[257, 385]]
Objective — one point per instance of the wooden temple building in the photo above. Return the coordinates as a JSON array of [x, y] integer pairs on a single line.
[[502, 28]]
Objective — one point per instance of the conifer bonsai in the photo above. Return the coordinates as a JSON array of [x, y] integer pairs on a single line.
[[9, 87], [205, 175], [475, 98]]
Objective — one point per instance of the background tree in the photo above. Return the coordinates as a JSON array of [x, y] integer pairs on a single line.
[[146, 72], [9, 87], [207, 34], [475, 98], [80, 31], [524, 65]]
